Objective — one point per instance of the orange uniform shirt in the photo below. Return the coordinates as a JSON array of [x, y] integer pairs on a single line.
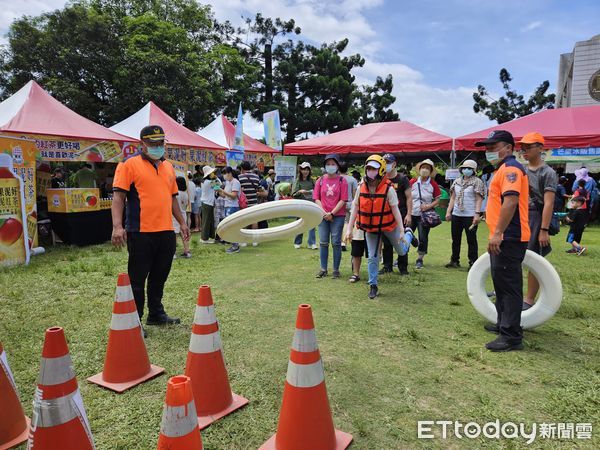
[[150, 190], [510, 179]]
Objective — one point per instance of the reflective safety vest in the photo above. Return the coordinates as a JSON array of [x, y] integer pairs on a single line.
[[374, 212]]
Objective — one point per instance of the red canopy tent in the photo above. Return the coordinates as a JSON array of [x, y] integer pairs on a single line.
[[385, 137], [577, 127]]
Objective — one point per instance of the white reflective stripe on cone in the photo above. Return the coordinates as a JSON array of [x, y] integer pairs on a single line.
[[6, 369], [123, 294], [205, 315], [305, 375], [205, 343], [125, 321], [54, 412], [56, 370], [305, 340], [178, 421]]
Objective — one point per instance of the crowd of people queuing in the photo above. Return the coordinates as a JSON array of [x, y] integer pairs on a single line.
[[374, 213]]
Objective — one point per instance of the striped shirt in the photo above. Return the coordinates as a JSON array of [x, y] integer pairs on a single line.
[[250, 184]]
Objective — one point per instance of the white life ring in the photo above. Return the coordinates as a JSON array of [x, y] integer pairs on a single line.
[[548, 301], [232, 228]]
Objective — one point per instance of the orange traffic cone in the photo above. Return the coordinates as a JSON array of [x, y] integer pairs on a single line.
[[206, 367], [305, 420], [59, 421], [126, 364], [14, 425], [179, 427]]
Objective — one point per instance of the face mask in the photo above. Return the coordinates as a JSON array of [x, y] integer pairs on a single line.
[[492, 157], [372, 174], [388, 168], [156, 152], [467, 172], [331, 169], [424, 172]]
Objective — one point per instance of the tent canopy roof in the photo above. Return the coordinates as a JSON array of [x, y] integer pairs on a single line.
[[175, 133], [32, 110], [574, 127], [384, 137], [222, 131]]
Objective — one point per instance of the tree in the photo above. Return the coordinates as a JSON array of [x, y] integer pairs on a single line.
[[511, 105], [375, 102]]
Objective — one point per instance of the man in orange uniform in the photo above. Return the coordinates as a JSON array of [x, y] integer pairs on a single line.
[[508, 221], [147, 182]]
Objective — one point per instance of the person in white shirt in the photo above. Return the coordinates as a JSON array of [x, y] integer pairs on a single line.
[[210, 183], [231, 192]]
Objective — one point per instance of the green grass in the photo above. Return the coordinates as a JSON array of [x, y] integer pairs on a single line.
[[416, 353]]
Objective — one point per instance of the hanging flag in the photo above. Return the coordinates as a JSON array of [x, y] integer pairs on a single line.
[[272, 129], [238, 140]]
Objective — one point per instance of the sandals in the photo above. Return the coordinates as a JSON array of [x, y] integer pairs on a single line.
[[354, 279]]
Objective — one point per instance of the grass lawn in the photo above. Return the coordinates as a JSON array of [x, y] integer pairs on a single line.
[[416, 353]]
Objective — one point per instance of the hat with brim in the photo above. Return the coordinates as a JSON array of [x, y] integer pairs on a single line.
[[373, 164], [497, 136], [305, 165], [207, 170], [468, 163], [532, 138], [333, 156], [152, 133], [429, 163]]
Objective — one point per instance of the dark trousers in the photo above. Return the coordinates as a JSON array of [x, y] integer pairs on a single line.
[[388, 251], [208, 222], [417, 224], [460, 224], [507, 275], [150, 257]]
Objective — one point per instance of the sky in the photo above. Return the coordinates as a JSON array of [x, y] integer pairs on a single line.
[[437, 51]]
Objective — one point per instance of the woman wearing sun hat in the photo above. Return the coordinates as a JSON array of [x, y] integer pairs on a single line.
[[426, 196], [464, 210], [209, 181]]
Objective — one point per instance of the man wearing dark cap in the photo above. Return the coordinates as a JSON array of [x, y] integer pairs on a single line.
[[401, 185], [508, 221], [145, 184]]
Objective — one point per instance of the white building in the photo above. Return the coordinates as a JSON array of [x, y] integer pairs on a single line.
[[579, 75]]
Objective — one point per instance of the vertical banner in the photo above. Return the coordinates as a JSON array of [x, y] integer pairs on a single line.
[[238, 139], [285, 168], [272, 129], [234, 159]]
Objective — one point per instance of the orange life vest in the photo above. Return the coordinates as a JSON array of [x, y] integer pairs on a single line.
[[374, 212]]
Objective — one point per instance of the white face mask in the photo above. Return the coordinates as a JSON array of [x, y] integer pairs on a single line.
[[389, 168], [467, 172], [331, 169], [372, 173], [492, 157], [424, 172]]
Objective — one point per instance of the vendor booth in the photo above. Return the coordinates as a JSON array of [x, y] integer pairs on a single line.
[[222, 131], [39, 132], [183, 147], [572, 135]]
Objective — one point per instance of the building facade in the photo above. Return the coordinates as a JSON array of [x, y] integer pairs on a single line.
[[579, 75]]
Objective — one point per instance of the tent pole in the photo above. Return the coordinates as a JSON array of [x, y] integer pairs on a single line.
[[453, 154]]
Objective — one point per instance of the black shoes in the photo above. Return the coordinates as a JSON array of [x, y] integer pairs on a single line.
[[373, 292], [492, 328], [404, 272], [163, 320], [453, 265], [335, 274], [321, 274], [500, 344], [384, 270]]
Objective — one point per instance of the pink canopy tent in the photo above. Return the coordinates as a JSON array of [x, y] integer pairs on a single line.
[[222, 131], [31, 110], [385, 137], [577, 127], [176, 134]]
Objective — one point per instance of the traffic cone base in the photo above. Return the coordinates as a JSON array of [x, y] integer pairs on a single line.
[[122, 387], [237, 403], [19, 439], [342, 441]]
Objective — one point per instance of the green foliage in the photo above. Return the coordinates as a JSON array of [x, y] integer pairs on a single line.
[[375, 102], [511, 105]]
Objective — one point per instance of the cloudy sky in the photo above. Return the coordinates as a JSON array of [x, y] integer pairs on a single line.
[[437, 51]]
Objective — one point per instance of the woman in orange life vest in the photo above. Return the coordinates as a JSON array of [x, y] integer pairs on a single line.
[[375, 211]]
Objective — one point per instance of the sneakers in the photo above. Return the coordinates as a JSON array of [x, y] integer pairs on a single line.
[[419, 264], [500, 344], [414, 241], [314, 247], [492, 328], [526, 306], [384, 270], [373, 292], [581, 251], [335, 274], [321, 274], [490, 294], [296, 246], [162, 320], [186, 255], [233, 249], [452, 265], [571, 250]]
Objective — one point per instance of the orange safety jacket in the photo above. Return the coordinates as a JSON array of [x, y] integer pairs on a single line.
[[374, 212]]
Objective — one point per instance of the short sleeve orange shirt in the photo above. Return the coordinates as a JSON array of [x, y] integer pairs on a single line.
[[509, 179], [150, 190]]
